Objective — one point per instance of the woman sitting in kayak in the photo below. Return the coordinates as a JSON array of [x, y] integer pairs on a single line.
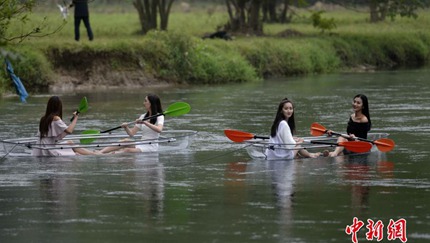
[[151, 128], [282, 131], [52, 130], [359, 124]]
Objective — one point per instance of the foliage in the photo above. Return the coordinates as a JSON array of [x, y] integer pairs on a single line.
[[288, 57], [30, 66], [322, 23], [14, 9], [179, 57], [404, 8]]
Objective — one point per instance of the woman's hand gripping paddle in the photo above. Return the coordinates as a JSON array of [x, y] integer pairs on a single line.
[[175, 109], [83, 107], [354, 146], [383, 144]]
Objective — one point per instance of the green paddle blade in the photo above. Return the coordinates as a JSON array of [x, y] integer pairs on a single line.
[[83, 106], [177, 109], [89, 140]]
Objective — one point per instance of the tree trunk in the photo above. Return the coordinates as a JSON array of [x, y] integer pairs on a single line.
[[164, 9], [378, 10], [147, 14], [255, 23], [269, 11], [244, 16], [373, 5], [283, 18]]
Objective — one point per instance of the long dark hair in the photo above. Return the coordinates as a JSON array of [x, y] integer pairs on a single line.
[[365, 109], [53, 108], [280, 117], [155, 107]]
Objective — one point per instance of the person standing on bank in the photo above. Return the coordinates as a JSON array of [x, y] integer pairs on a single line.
[[359, 124], [82, 13]]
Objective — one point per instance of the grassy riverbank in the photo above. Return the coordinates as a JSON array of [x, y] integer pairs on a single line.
[[120, 57]]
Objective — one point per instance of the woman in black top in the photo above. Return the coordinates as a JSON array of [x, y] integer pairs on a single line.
[[359, 123]]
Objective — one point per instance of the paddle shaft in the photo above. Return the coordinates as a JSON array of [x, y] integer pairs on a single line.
[[144, 119], [261, 137], [349, 137]]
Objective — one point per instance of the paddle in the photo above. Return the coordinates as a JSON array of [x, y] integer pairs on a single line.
[[239, 136], [353, 146], [83, 107], [383, 144], [175, 109]]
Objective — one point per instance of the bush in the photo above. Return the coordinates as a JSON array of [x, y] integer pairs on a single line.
[[30, 66]]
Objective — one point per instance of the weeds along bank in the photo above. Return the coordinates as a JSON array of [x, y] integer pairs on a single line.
[[173, 57]]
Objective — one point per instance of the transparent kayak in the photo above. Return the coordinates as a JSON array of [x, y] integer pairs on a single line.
[[168, 141], [257, 148]]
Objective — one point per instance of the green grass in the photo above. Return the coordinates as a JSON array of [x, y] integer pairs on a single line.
[[180, 55]]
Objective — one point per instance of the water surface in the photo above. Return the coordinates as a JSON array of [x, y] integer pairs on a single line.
[[213, 192]]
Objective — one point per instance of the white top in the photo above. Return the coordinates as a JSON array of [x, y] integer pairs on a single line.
[[56, 133], [149, 134], [283, 143]]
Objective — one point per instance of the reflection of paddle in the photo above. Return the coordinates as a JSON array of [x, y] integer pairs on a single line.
[[175, 109], [83, 107], [383, 144], [353, 146]]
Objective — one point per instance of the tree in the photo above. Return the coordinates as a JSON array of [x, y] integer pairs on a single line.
[[276, 11], [149, 10], [380, 9], [244, 16], [14, 10], [322, 23], [19, 10]]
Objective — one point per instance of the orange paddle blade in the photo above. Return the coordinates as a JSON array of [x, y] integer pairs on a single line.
[[356, 146], [384, 144], [238, 136], [317, 129]]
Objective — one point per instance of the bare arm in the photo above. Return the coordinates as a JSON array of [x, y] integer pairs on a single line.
[[71, 127], [156, 128]]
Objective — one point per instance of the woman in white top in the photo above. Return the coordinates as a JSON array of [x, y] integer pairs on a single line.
[[151, 128], [281, 133], [52, 130]]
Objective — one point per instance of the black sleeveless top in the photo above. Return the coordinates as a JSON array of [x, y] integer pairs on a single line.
[[358, 129]]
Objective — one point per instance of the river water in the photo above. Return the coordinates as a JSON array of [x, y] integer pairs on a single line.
[[214, 192]]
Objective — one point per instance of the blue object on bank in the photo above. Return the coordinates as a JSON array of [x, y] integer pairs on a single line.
[[19, 87]]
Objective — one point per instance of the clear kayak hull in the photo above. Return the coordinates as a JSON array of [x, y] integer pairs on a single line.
[[168, 141], [256, 148]]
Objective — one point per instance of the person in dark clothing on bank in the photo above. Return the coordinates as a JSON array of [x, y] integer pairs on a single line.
[[82, 13]]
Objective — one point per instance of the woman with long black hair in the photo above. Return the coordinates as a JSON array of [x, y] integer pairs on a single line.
[[359, 123], [52, 130], [282, 135], [151, 128]]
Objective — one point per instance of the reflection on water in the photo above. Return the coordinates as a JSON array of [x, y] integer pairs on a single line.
[[282, 174]]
